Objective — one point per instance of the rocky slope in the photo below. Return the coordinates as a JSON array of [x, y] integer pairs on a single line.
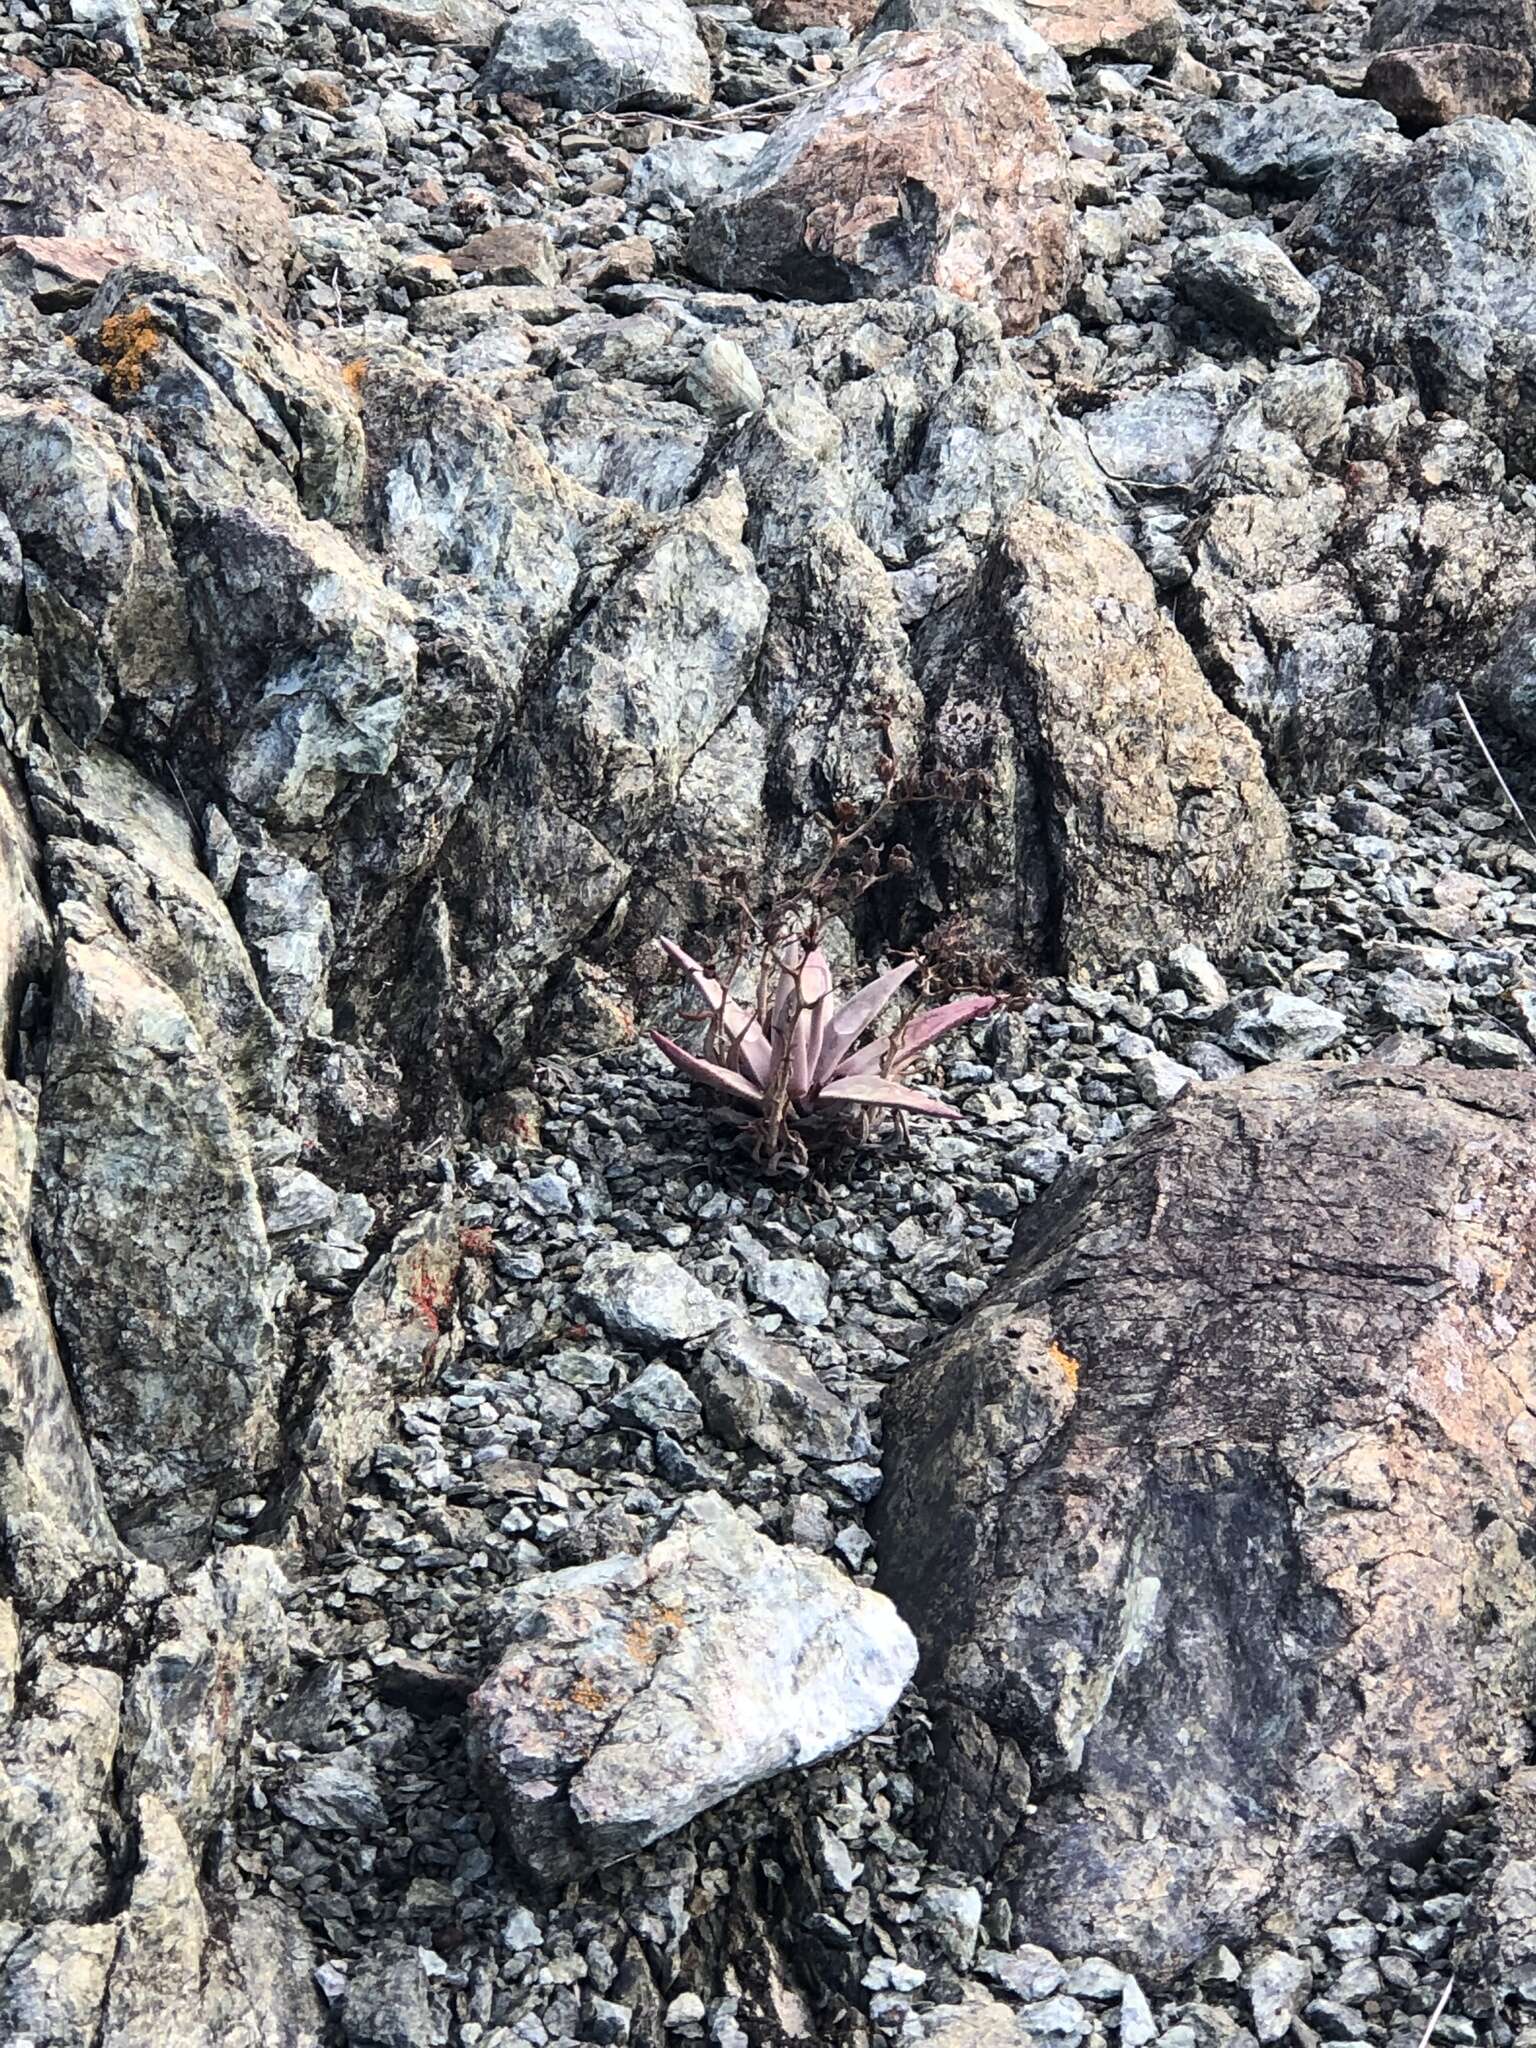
[[484, 486]]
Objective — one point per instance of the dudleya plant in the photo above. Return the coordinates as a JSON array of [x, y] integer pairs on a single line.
[[796, 1054]]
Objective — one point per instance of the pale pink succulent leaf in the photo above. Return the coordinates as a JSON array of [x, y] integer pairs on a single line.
[[859, 1012], [820, 1017], [815, 977], [869, 1059], [744, 1036], [707, 1071], [928, 1026], [879, 1091]]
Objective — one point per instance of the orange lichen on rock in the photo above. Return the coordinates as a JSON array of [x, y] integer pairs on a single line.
[[1065, 1363], [129, 344]]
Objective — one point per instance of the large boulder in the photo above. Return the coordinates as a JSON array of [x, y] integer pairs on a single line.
[[637, 1692], [77, 160], [1112, 806], [1211, 1517], [591, 55], [931, 161], [1424, 250]]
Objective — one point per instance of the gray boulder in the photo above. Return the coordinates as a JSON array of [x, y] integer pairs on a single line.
[[640, 1691], [1272, 1024], [1247, 282], [685, 170], [759, 1394], [1288, 144], [1420, 253], [609, 54], [646, 1298], [1228, 1654]]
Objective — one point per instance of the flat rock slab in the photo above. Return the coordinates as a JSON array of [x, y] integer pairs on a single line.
[[1210, 1516], [638, 1692]]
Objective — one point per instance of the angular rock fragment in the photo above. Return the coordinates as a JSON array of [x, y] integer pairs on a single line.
[[758, 1392], [1010, 23], [638, 1692], [609, 54], [56, 1760], [1209, 1516], [76, 159], [646, 1298], [219, 1654], [150, 1233], [931, 161], [1247, 282]]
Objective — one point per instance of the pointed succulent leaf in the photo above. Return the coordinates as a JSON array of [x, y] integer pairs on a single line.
[[869, 1059], [747, 1044], [707, 1071], [858, 1013], [879, 1091], [928, 1026]]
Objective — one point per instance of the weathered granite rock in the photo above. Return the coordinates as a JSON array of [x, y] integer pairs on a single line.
[[1249, 283], [1423, 247], [56, 1761], [1008, 22], [1289, 144], [640, 1691], [610, 54], [1124, 810], [218, 1656], [931, 161], [759, 1393], [150, 1233], [1425, 87], [76, 159], [51, 1503], [647, 1298], [1208, 1516]]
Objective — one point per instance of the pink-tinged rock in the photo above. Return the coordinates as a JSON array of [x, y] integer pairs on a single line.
[[1441, 82], [1150, 31], [788, 17], [931, 162], [77, 161]]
